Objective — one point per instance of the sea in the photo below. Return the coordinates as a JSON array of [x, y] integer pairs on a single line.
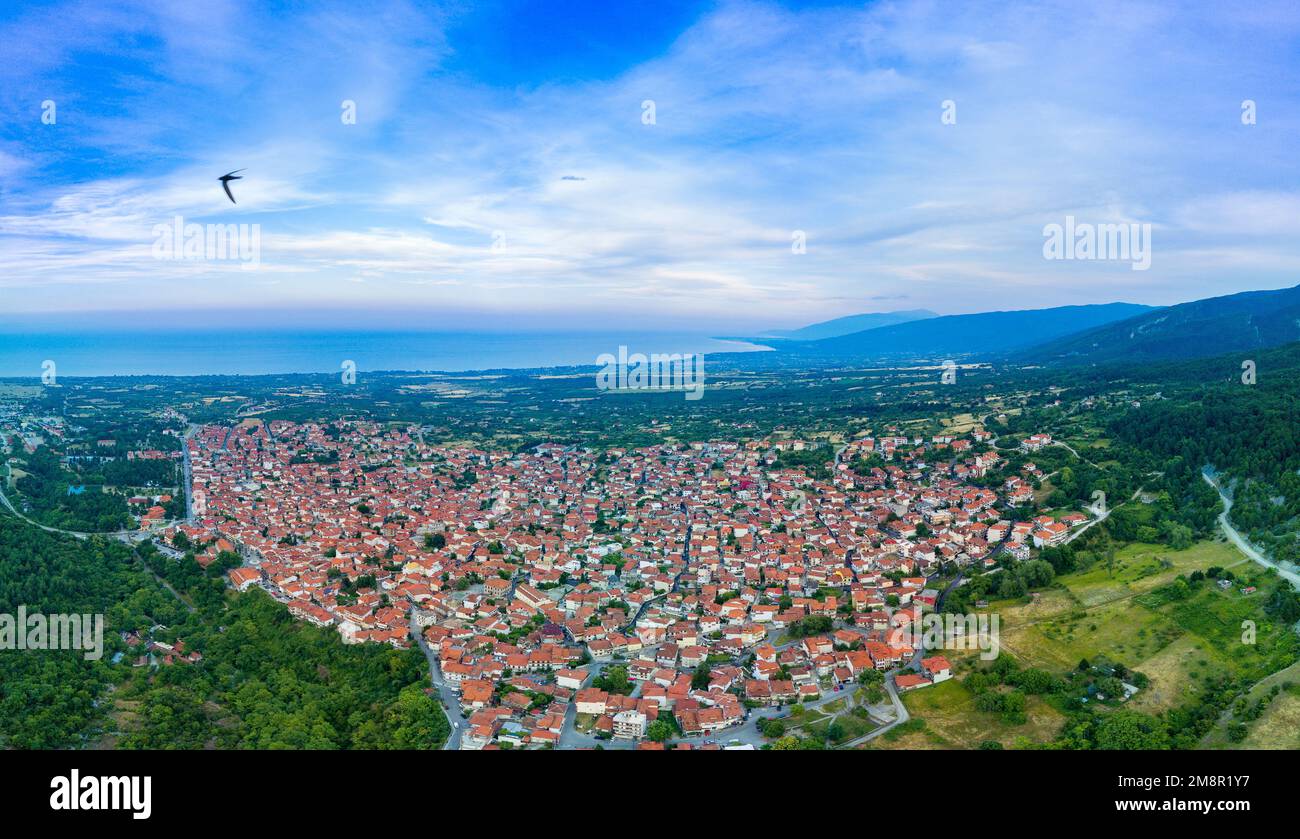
[[171, 352]]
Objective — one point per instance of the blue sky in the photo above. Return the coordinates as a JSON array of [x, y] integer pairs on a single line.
[[521, 123]]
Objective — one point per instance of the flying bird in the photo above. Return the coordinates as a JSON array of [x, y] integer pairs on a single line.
[[225, 183]]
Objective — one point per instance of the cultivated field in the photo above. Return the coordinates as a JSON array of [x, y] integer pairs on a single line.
[[1121, 612]]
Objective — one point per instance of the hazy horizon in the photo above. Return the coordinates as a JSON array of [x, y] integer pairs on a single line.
[[451, 321]]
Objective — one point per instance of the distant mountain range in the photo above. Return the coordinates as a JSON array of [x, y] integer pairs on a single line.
[[1072, 335], [849, 324], [984, 334], [1214, 326]]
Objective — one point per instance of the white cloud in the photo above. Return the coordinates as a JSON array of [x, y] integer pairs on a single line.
[[768, 121]]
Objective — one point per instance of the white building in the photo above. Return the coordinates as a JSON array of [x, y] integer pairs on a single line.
[[629, 725]]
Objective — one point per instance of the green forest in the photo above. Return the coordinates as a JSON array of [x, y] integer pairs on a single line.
[[1249, 433], [265, 680], [59, 498]]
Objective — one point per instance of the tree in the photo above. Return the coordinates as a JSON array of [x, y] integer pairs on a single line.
[[867, 678], [1125, 729], [1037, 573], [811, 625], [614, 680], [660, 730], [1033, 681], [415, 721], [1013, 707]]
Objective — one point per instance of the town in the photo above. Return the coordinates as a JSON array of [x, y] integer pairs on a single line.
[[678, 596]]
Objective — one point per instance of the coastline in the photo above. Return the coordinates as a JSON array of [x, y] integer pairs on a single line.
[[262, 352]]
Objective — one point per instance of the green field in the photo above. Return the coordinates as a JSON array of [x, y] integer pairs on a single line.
[[1140, 567], [1081, 443], [1123, 613], [951, 721], [1120, 630]]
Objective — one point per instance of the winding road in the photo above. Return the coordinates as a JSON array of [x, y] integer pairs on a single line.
[[130, 537], [4, 499], [1240, 541]]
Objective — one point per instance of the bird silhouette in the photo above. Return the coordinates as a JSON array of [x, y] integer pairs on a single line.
[[225, 183]]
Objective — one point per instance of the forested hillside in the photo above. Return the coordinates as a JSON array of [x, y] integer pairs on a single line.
[[264, 679], [983, 334], [54, 699], [1251, 432], [1244, 322], [59, 498]]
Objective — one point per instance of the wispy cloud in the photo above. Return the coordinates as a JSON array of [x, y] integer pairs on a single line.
[[768, 119]]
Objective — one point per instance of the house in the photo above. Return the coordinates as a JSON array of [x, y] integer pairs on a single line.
[[496, 587], [591, 701], [1051, 534], [242, 578], [475, 693], [911, 681], [570, 679], [937, 668], [531, 597], [1034, 442]]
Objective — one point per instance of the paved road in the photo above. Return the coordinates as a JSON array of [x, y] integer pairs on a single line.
[[4, 499], [900, 716], [1240, 542], [186, 473], [1100, 514], [130, 537], [900, 710], [450, 699], [1071, 450]]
